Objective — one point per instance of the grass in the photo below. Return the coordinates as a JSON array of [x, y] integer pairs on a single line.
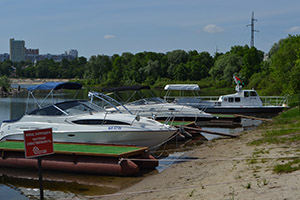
[[289, 167], [284, 129]]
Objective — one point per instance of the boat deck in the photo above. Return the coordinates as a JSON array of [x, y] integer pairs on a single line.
[[82, 149]]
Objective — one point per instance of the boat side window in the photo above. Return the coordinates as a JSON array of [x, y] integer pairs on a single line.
[[253, 94], [99, 122], [237, 99], [230, 99], [246, 94]]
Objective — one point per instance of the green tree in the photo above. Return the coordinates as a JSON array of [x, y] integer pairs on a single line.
[[115, 76], [4, 81], [6, 68], [97, 67], [251, 60], [284, 65], [175, 58], [199, 65], [151, 69], [225, 66], [181, 72]]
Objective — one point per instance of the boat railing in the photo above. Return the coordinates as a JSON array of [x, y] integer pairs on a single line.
[[275, 100], [267, 100], [190, 99]]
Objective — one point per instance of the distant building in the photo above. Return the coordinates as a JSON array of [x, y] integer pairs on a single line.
[[73, 53], [32, 51], [4, 57], [32, 55], [18, 53], [16, 50]]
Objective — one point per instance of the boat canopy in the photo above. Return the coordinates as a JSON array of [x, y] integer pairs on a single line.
[[56, 86], [182, 87], [124, 88]]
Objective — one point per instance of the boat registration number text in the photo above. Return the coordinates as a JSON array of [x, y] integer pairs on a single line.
[[114, 128]]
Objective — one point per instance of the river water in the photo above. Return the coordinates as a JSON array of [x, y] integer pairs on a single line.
[[19, 184]]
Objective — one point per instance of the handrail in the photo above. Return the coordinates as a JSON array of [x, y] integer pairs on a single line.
[[267, 100], [102, 97], [275, 100]]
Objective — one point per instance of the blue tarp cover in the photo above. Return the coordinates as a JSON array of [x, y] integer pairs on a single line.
[[56, 86]]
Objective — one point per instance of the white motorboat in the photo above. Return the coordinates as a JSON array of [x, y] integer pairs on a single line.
[[80, 121], [157, 108], [242, 102]]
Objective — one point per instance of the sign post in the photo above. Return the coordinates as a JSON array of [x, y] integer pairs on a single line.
[[38, 143]]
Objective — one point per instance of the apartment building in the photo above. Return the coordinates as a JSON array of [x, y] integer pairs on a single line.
[[16, 50]]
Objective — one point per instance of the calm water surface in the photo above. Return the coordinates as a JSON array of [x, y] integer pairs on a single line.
[[19, 184]]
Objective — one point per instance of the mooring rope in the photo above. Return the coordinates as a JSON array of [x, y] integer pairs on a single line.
[[211, 159]]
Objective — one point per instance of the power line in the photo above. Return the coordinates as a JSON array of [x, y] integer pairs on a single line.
[[252, 29]]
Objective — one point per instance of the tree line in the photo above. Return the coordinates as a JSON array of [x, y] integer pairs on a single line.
[[275, 72]]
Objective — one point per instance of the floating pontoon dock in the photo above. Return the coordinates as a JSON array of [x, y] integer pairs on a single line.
[[82, 158]]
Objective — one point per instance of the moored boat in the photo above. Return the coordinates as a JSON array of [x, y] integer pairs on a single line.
[[81, 121], [156, 107], [241, 102]]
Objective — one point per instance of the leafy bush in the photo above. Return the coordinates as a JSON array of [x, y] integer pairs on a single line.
[[4, 82]]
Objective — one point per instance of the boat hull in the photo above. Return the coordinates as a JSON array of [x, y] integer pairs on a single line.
[[243, 110], [170, 111], [126, 131], [138, 138]]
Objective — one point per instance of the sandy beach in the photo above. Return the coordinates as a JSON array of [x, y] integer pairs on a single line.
[[34, 81], [224, 169]]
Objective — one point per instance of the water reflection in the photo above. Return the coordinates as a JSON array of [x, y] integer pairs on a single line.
[[66, 183]]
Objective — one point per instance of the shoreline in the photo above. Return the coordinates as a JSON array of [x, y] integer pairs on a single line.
[[224, 169], [35, 81]]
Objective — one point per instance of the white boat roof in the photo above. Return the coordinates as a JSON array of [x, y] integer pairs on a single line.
[[182, 87]]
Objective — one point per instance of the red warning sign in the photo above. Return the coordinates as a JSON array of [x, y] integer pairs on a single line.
[[38, 142]]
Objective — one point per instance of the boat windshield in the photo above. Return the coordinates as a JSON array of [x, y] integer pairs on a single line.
[[68, 108], [151, 100]]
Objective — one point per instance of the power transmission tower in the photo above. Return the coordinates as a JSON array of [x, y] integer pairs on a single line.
[[217, 49], [252, 29]]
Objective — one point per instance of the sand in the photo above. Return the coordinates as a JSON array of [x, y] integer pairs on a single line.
[[225, 169], [34, 81]]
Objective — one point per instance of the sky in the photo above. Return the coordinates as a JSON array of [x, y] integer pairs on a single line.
[[107, 27]]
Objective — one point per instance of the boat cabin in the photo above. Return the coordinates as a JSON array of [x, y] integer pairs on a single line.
[[241, 98]]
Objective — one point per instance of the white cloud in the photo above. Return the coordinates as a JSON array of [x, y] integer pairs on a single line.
[[212, 28], [109, 37], [294, 29]]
